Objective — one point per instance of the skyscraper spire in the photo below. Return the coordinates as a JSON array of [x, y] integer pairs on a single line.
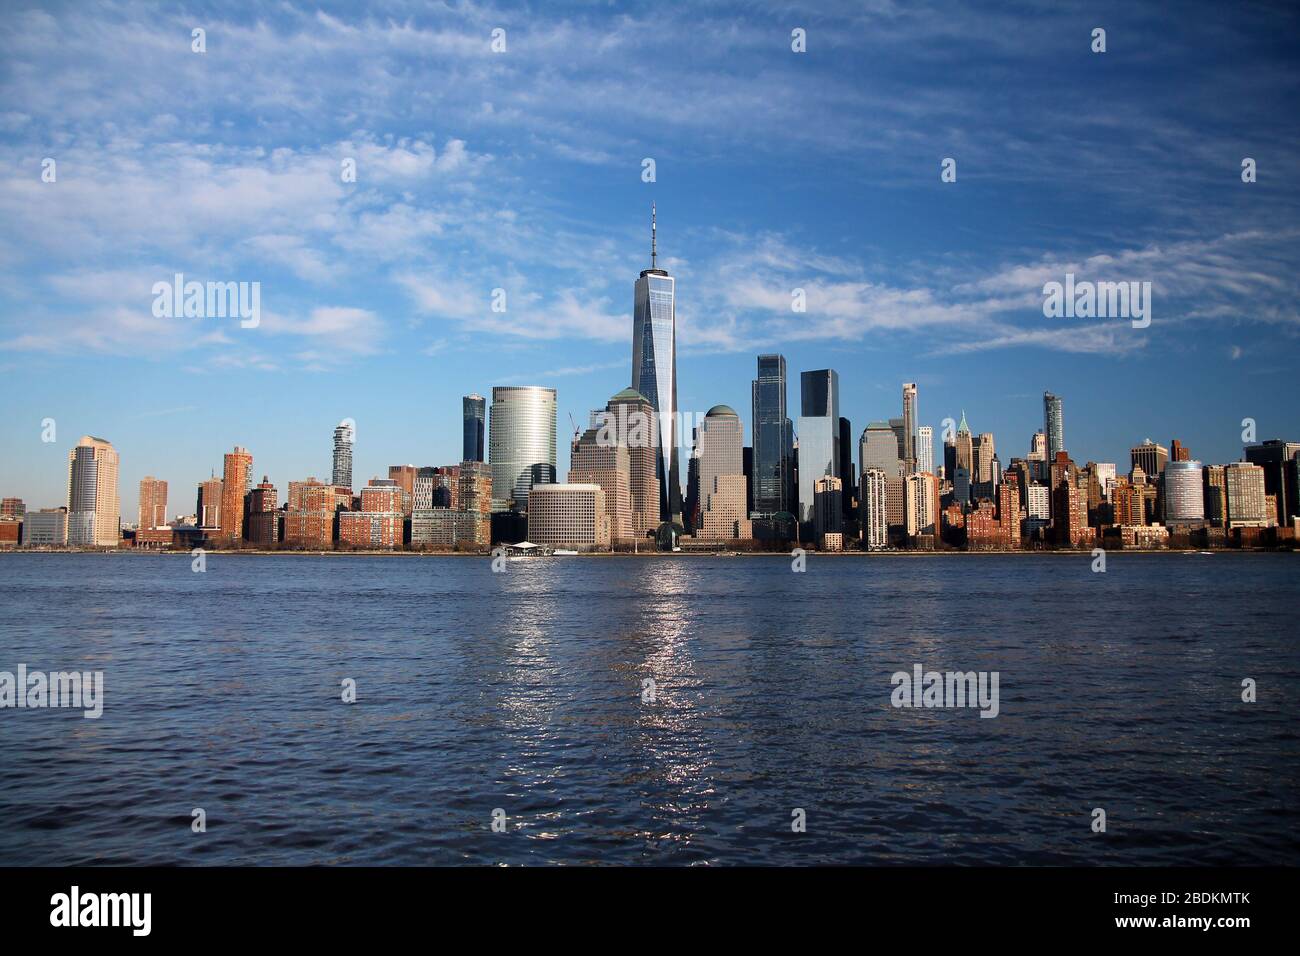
[[653, 250]]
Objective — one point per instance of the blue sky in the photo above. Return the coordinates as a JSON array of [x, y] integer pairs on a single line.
[[522, 170]]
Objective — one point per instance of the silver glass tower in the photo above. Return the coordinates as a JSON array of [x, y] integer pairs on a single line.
[[521, 443], [344, 435], [654, 368], [773, 438], [473, 410], [819, 433], [909, 455], [1053, 425]]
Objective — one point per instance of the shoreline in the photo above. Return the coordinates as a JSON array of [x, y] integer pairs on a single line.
[[251, 552]]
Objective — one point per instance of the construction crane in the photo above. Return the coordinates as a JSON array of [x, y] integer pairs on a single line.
[[577, 433]]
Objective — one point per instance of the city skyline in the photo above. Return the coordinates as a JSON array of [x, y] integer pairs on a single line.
[[906, 278]]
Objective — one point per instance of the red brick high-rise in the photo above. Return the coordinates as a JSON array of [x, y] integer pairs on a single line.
[[234, 485], [153, 502]]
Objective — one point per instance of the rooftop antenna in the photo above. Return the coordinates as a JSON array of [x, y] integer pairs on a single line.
[[653, 251]]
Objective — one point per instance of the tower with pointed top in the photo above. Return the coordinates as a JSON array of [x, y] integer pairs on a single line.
[[654, 367]]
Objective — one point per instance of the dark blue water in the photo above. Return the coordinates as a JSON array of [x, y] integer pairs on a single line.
[[522, 691]]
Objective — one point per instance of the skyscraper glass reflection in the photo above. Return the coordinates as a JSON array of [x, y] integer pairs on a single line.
[[819, 433], [773, 438], [654, 368], [521, 443]]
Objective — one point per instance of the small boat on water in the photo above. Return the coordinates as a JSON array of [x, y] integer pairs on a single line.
[[563, 551], [526, 549]]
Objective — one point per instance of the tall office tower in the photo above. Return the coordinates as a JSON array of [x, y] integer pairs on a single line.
[[718, 443], [961, 490], [900, 439], [895, 502], [238, 467], [846, 474], [1150, 457], [875, 522], [521, 443], [1037, 457], [925, 450], [1247, 504], [773, 438], [828, 509], [608, 465], [1178, 451], [344, 436], [629, 422], [474, 498], [909, 455], [654, 368], [949, 455], [1038, 508], [878, 448], [1184, 493], [747, 463], [921, 505], [1215, 489], [153, 502], [965, 457], [404, 475], [1281, 474], [1105, 471], [474, 412], [1053, 424], [819, 433], [984, 455], [691, 504], [1069, 504], [208, 508], [94, 512]]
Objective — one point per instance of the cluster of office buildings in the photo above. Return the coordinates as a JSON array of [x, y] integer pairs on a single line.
[[799, 482]]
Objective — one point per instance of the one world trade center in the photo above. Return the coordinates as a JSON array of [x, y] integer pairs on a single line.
[[654, 369]]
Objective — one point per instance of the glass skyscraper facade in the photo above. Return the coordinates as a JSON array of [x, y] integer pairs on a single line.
[[474, 410], [654, 369], [1053, 425], [773, 436], [819, 433], [908, 453], [344, 435], [521, 443]]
